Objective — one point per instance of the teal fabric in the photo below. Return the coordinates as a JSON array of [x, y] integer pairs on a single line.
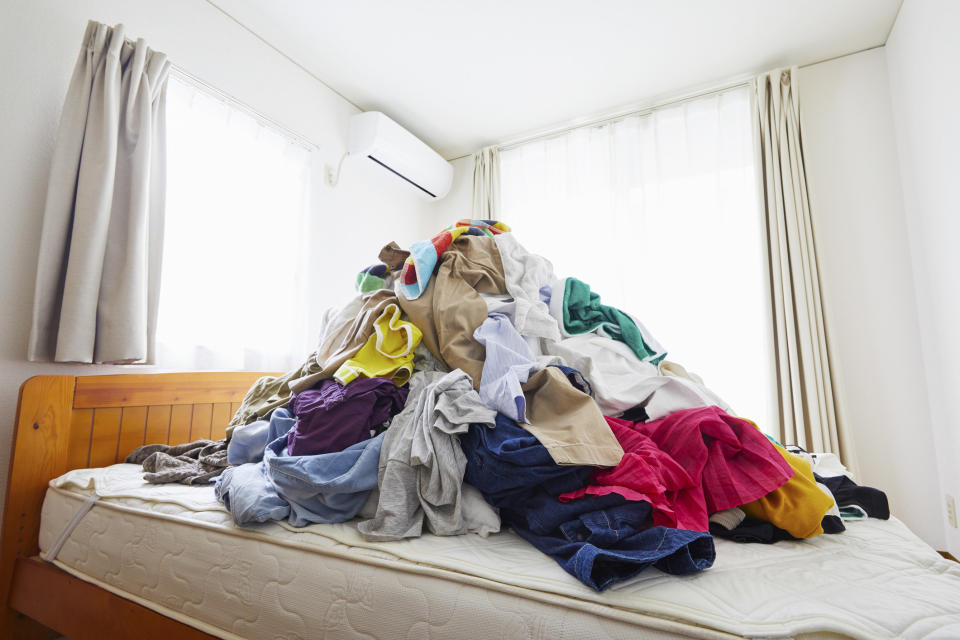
[[583, 312], [770, 438]]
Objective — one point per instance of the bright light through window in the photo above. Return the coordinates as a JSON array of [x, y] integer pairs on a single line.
[[660, 215], [237, 193]]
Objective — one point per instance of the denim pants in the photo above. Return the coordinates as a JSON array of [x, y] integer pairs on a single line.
[[599, 540], [325, 488]]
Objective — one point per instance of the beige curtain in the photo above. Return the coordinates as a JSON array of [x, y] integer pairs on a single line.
[[98, 271], [486, 184], [809, 412]]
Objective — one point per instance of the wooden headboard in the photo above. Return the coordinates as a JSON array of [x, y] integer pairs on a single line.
[[73, 422]]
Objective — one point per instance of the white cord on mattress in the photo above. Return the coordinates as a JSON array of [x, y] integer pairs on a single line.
[[51, 554]]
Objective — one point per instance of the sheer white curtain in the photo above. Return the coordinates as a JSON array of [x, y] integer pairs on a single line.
[[233, 282], [659, 214]]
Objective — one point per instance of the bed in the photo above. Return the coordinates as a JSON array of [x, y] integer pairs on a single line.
[[162, 561]]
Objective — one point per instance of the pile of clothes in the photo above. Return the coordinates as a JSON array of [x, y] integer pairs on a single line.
[[467, 387]]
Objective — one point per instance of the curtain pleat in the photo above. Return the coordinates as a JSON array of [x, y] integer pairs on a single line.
[[809, 412], [486, 184], [101, 245]]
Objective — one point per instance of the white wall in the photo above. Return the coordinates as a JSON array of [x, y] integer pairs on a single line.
[[39, 42], [866, 275], [922, 54], [458, 203]]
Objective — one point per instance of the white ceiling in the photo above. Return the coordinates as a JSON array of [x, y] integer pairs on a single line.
[[462, 74]]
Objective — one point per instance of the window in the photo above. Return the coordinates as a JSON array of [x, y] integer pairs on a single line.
[[237, 194], [659, 214]]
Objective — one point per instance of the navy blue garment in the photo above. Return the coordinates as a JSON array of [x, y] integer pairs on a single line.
[[576, 378], [509, 465], [635, 414], [847, 492], [599, 540], [751, 530]]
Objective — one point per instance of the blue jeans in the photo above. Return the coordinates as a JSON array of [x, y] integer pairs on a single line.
[[599, 540], [249, 441], [325, 488]]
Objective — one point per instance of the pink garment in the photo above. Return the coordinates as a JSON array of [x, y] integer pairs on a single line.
[[690, 464]]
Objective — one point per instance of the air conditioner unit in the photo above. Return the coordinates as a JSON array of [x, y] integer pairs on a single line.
[[386, 143]]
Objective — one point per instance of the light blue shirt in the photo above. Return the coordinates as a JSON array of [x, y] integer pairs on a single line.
[[325, 488], [508, 364], [248, 442]]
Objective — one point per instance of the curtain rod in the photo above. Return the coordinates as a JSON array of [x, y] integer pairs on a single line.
[[235, 102], [553, 132], [619, 115], [238, 104]]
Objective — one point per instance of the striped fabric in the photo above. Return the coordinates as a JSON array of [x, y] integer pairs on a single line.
[[424, 255], [690, 464]]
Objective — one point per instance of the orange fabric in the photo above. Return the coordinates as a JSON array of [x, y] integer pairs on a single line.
[[798, 506]]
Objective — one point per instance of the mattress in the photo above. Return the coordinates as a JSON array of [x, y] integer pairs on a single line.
[[175, 549]]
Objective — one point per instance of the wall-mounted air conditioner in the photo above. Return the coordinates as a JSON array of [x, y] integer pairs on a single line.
[[377, 137]]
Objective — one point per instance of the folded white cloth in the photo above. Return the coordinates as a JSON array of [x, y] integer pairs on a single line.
[[728, 518]]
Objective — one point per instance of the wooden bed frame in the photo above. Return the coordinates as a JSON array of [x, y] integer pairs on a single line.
[[73, 422]]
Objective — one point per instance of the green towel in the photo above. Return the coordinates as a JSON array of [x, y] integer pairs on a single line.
[[367, 282], [582, 313]]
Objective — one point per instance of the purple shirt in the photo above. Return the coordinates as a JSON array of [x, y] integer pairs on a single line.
[[331, 416]]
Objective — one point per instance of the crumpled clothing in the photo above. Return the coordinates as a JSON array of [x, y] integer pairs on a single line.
[[451, 309], [196, 462], [342, 334], [622, 382], [733, 524], [727, 518], [602, 544], [424, 360], [525, 274], [507, 306], [382, 276], [848, 493], [578, 310], [690, 464], [479, 516], [332, 416], [326, 488], [507, 366], [388, 353], [798, 506], [376, 276], [249, 441], [598, 540], [575, 378], [421, 463], [567, 421], [419, 266], [562, 417], [393, 256]]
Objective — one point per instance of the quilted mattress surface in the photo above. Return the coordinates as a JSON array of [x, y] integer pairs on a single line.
[[175, 549]]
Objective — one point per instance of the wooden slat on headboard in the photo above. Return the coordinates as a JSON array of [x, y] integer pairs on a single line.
[[143, 390], [40, 452], [67, 422]]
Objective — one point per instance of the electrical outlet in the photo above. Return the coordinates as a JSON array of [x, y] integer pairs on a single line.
[[951, 511], [330, 173]]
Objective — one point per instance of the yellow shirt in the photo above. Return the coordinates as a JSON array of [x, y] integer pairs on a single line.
[[387, 354], [798, 506]]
